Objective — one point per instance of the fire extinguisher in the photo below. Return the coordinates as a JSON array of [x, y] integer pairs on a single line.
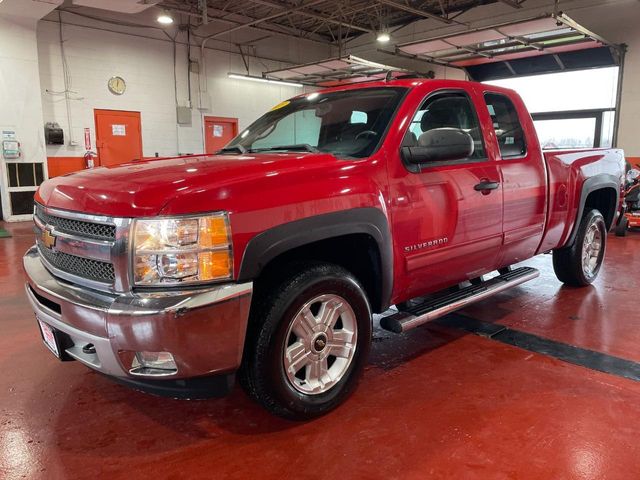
[[89, 159]]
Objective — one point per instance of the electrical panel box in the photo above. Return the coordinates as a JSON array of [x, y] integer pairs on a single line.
[[183, 114], [53, 134]]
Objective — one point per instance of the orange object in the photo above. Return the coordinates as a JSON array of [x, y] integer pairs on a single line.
[[118, 137], [218, 131], [214, 265], [633, 217], [57, 166], [213, 232]]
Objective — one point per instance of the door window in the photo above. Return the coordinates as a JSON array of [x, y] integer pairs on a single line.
[[446, 110], [506, 124]]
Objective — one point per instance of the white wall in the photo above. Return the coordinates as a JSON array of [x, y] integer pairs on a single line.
[[20, 106]]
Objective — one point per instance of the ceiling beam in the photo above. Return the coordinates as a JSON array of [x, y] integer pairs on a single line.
[[314, 16], [422, 58], [263, 28], [415, 11], [265, 19]]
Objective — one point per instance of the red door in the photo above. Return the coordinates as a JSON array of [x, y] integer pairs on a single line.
[[523, 175], [118, 137], [218, 131], [446, 231]]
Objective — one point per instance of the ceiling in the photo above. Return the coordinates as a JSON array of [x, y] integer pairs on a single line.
[[540, 44], [327, 21], [543, 43]]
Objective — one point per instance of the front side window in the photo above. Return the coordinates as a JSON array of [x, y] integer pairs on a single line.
[[347, 124], [506, 124], [446, 110]]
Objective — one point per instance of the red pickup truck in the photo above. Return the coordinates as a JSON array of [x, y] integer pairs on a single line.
[[269, 258]]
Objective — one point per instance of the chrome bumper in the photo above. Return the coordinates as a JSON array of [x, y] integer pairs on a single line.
[[204, 329]]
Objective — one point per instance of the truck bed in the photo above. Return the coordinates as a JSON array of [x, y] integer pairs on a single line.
[[569, 173]]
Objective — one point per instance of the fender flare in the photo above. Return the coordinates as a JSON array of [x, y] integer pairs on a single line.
[[280, 239], [598, 182]]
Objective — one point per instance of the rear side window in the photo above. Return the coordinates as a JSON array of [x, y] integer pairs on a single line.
[[506, 124]]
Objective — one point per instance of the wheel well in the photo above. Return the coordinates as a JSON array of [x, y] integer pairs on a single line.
[[358, 253], [605, 200]]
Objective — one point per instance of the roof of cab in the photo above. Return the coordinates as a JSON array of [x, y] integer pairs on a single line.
[[409, 83]]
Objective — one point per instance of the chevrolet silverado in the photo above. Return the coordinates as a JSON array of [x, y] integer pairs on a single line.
[[269, 258]]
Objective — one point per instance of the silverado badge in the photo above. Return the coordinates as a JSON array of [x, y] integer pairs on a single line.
[[48, 239], [428, 244]]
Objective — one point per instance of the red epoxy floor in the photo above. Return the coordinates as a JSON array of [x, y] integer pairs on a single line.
[[604, 317], [434, 403]]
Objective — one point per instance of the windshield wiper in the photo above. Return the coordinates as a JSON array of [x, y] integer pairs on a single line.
[[304, 147], [231, 149]]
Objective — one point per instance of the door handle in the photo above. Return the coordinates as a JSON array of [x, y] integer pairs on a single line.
[[486, 185]]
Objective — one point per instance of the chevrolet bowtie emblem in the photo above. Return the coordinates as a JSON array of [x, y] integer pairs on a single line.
[[48, 239]]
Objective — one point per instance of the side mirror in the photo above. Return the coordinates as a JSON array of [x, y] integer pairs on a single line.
[[632, 175], [438, 145]]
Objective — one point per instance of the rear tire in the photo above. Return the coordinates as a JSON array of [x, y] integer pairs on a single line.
[[579, 264], [308, 341], [622, 227]]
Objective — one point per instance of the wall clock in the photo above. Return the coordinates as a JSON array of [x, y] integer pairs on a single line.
[[117, 85]]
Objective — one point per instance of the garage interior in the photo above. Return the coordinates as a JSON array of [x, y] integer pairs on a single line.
[[540, 381]]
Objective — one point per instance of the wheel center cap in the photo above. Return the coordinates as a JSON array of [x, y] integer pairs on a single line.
[[320, 343]]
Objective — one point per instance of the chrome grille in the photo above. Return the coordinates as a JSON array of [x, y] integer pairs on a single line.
[[86, 249], [97, 231], [82, 267]]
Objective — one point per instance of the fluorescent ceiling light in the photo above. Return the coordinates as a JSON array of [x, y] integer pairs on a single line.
[[383, 37], [238, 76], [165, 19]]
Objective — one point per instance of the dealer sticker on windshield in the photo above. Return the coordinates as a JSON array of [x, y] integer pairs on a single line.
[[281, 105]]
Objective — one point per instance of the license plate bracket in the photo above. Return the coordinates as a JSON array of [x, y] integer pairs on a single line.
[[50, 338]]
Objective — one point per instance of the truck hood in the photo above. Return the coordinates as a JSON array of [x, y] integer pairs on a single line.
[[147, 188]]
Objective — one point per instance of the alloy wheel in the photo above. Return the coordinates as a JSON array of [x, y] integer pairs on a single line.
[[320, 344]]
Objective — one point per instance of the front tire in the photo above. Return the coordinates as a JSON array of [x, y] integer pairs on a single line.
[[579, 264], [308, 341]]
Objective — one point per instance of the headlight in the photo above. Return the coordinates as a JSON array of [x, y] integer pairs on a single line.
[[182, 250]]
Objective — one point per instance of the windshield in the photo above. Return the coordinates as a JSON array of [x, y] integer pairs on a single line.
[[348, 124]]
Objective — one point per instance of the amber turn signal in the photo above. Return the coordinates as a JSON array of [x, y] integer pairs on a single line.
[[213, 232], [214, 265]]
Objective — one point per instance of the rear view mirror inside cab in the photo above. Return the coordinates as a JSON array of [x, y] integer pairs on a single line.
[[323, 108]]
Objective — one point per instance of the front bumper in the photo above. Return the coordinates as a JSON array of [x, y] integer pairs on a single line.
[[204, 329]]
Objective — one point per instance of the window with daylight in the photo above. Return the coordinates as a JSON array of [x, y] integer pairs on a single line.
[[571, 109]]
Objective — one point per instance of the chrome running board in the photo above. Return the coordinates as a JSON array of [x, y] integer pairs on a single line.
[[450, 302]]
